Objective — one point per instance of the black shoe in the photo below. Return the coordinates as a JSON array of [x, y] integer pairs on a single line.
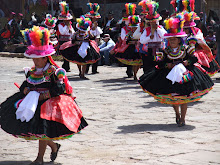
[[181, 124], [53, 155], [95, 72]]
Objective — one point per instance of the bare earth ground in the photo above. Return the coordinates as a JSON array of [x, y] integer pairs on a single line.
[[126, 125]]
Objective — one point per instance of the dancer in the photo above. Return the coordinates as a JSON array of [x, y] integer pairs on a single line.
[[195, 36], [176, 81], [81, 50], [50, 22], [95, 30], [39, 110], [65, 30], [127, 53], [152, 36]]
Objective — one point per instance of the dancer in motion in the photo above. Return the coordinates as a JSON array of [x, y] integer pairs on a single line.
[[176, 80], [82, 50], [44, 109]]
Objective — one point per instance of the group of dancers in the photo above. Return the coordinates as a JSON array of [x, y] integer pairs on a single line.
[[177, 66]]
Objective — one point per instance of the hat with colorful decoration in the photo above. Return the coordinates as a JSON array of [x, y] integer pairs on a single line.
[[93, 10], [187, 7], [151, 8], [174, 26], [50, 21], [189, 19], [134, 20], [143, 4], [64, 14], [83, 23], [130, 10], [38, 40]]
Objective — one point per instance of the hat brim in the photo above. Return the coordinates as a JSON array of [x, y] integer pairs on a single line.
[[189, 24], [49, 26], [77, 26], [175, 35], [65, 18], [38, 56], [92, 16]]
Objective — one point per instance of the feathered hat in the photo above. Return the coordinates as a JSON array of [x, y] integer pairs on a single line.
[[130, 10], [151, 8], [187, 7], [174, 26], [83, 23], [93, 10], [134, 20], [64, 11], [38, 40], [143, 4], [50, 21]]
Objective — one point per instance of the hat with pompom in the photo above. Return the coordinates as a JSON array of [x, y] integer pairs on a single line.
[[93, 10], [143, 4], [151, 8], [83, 23], [50, 21], [38, 40], [174, 26], [134, 20], [187, 7], [130, 10], [64, 11]]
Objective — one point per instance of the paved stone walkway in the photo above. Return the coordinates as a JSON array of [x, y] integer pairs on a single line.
[[126, 125]]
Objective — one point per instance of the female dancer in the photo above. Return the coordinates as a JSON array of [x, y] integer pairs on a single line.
[[43, 109], [176, 81], [127, 53], [81, 50]]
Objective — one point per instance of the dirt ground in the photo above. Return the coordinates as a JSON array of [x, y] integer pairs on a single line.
[[126, 125]]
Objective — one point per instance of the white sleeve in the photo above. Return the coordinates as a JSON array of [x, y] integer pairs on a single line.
[[199, 35], [99, 30], [144, 39], [161, 31], [137, 33], [123, 34]]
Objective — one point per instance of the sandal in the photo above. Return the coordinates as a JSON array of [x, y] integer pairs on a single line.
[[53, 155]]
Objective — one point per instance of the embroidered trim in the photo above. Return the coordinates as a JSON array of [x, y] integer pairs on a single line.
[[180, 53], [40, 77]]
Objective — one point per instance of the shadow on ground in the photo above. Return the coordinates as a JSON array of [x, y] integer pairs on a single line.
[[25, 163], [153, 127]]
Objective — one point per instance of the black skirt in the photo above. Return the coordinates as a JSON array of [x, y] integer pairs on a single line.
[[70, 54], [156, 84], [130, 56], [37, 128]]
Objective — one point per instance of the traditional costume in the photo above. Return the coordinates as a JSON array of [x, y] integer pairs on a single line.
[[127, 52], [195, 36], [151, 41], [53, 117], [181, 84], [65, 30], [50, 22], [81, 50]]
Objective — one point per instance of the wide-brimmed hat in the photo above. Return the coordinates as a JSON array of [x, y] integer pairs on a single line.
[[64, 11], [174, 26], [93, 10], [151, 8], [83, 23], [38, 39], [134, 20], [50, 21]]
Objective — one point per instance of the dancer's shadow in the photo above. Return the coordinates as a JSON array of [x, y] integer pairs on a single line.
[[25, 163], [153, 127], [121, 81]]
